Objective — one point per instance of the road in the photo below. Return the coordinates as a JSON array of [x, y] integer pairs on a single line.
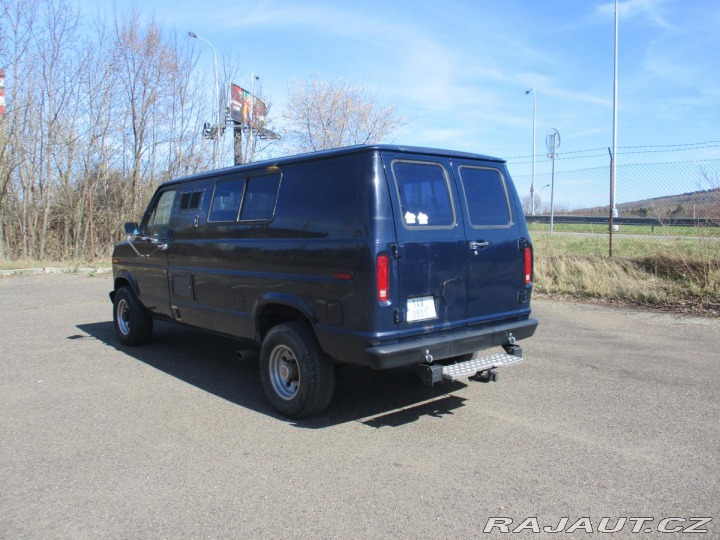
[[614, 413]]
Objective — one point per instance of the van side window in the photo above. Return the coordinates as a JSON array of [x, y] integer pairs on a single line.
[[247, 199], [260, 197], [157, 223], [226, 200], [486, 196], [424, 194]]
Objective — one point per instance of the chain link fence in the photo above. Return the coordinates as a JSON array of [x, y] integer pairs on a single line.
[[663, 191]]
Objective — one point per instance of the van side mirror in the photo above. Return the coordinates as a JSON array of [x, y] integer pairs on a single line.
[[131, 229]]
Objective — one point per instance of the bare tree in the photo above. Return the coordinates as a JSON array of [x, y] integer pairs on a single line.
[[92, 123], [329, 114]]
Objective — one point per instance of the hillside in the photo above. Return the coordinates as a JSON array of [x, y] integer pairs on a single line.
[[696, 204]]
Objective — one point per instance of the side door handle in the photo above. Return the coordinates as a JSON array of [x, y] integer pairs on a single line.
[[160, 245]]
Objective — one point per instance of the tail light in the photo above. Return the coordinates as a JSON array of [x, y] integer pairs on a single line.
[[528, 265], [383, 278]]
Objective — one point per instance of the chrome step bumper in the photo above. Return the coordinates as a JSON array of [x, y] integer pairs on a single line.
[[463, 370], [478, 368]]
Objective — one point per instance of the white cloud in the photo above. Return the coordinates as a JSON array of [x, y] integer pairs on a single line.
[[650, 10]]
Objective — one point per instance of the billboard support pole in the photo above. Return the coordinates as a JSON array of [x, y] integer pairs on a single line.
[[237, 141]]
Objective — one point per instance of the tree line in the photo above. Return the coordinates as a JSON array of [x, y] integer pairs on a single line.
[[98, 113]]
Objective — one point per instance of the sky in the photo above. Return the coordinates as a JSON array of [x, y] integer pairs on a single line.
[[459, 70]]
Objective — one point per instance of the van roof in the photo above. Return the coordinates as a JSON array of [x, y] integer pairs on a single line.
[[323, 154]]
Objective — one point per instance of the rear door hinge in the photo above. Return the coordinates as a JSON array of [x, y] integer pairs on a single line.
[[395, 251], [522, 297], [522, 244]]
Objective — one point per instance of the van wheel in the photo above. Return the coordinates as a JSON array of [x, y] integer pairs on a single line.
[[297, 377], [132, 324]]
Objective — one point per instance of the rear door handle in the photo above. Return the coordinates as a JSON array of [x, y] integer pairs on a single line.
[[474, 246]]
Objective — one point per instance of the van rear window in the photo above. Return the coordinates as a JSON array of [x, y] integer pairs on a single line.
[[424, 194], [486, 196]]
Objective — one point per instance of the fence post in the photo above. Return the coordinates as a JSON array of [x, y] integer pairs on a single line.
[[612, 202]]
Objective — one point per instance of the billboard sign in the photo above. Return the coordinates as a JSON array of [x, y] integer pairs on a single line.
[[246, 109]]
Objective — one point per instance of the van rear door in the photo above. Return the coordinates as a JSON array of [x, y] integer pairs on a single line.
[[459, 254], [494, 247], [431, 256]]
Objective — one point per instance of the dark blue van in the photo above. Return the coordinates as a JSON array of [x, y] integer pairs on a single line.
[[379, 255]]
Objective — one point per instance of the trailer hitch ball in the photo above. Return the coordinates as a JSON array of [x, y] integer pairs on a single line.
[[428, 357]]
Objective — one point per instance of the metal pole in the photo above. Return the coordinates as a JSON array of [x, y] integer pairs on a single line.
[[552, 142], [552, 195], [532, 182], [615, 120], [251, 151], [237, 143], [612, 205], [540, 197], [252, 114], [216, 141]]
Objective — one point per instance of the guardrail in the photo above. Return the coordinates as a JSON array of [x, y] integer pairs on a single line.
[[643, 221]]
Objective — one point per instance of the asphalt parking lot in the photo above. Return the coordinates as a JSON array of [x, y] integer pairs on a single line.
[[614, 413]]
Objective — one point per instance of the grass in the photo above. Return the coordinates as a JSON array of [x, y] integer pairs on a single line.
[[645, 230], [678, 273], [22, 264]]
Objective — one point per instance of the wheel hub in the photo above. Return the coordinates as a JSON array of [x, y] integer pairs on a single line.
[[284, 372], [123, 316], [288, 370]]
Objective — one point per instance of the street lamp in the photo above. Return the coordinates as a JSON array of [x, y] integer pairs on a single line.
[[532, 183], [613, 162], [251, 149], [540, 196], [217, 98]]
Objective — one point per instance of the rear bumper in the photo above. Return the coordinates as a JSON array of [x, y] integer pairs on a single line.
[[448, 344]]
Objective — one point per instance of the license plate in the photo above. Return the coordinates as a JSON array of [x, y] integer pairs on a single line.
[[421, 309]]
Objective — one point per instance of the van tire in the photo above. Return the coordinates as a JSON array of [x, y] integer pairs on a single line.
[[297, 377], [133, 325]]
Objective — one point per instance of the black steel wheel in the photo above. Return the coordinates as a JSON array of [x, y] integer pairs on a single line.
[[132, 324]]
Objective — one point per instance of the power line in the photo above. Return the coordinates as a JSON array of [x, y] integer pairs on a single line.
[[623, 150]]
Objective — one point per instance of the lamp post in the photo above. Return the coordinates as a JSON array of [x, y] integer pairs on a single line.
[[217, 98], [540, 196], [532, 182], [613, 162], [251, 149]]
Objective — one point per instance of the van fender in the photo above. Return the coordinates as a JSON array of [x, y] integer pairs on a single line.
[[290, 308], [124, 275]]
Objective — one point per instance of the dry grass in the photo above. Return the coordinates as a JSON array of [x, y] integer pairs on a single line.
[[74, 265], [662, 273]]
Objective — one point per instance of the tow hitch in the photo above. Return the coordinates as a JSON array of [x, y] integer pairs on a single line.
[[491, 375], [478, 368]]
